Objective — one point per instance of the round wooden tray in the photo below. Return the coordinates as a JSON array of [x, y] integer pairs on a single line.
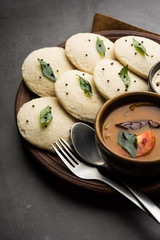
[[53, 162]]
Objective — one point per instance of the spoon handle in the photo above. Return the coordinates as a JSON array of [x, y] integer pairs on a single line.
[[147, 204], [121, 188], [142, 199], [138, 198]]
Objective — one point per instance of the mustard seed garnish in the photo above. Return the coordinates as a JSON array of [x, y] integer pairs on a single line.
[[45, 125], [47, 64], [157, 84], [33, 105], [66, 93], [131, 44], [151, 55], [66, 84], [141, 41], [134, 80], [118, 90], [57, 70], [107, 80], [89, 40], [86, 54], [103, 69], [112, 63], [27, 121], [108, 48], [125, 40], [83, 74], [135, 53], [39, 76]]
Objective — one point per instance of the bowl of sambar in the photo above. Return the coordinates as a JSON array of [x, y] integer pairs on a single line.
[[128, 133]]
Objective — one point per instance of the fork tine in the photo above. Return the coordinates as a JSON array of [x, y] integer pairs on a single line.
[[68, 157], [66, 144], [69, 150], [68, 164]]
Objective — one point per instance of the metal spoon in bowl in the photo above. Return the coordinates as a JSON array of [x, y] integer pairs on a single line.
[[83, 140]]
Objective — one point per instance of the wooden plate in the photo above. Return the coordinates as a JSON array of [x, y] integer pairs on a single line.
[[54, 164]]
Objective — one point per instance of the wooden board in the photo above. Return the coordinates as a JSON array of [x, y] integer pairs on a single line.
[[53, 162]]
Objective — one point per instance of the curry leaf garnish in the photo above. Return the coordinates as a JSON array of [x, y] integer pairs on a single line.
[[125, 77], [47, 70], [100, 47], [139, 47], [85, 86], [46, 115], [128, 141]]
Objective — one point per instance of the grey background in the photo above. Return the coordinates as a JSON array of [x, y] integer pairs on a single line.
[[34, 204]]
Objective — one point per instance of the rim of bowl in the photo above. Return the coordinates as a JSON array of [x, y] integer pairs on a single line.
[[152, 71], [100, 115]]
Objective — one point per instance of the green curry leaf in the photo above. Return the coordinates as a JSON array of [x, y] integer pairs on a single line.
[[47, 70], [100, 47], [85, 86], [46, 116], [125, 77], [139, 47], [128, 141]]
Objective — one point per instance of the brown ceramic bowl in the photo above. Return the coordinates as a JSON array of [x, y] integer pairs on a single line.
[[126, 165], [152, 72]]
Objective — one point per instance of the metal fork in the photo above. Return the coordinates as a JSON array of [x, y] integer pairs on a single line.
[[84, 171]]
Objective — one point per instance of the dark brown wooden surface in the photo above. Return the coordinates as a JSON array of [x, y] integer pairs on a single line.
[[54, 164]]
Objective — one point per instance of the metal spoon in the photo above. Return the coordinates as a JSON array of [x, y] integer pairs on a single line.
[[83, 140]]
